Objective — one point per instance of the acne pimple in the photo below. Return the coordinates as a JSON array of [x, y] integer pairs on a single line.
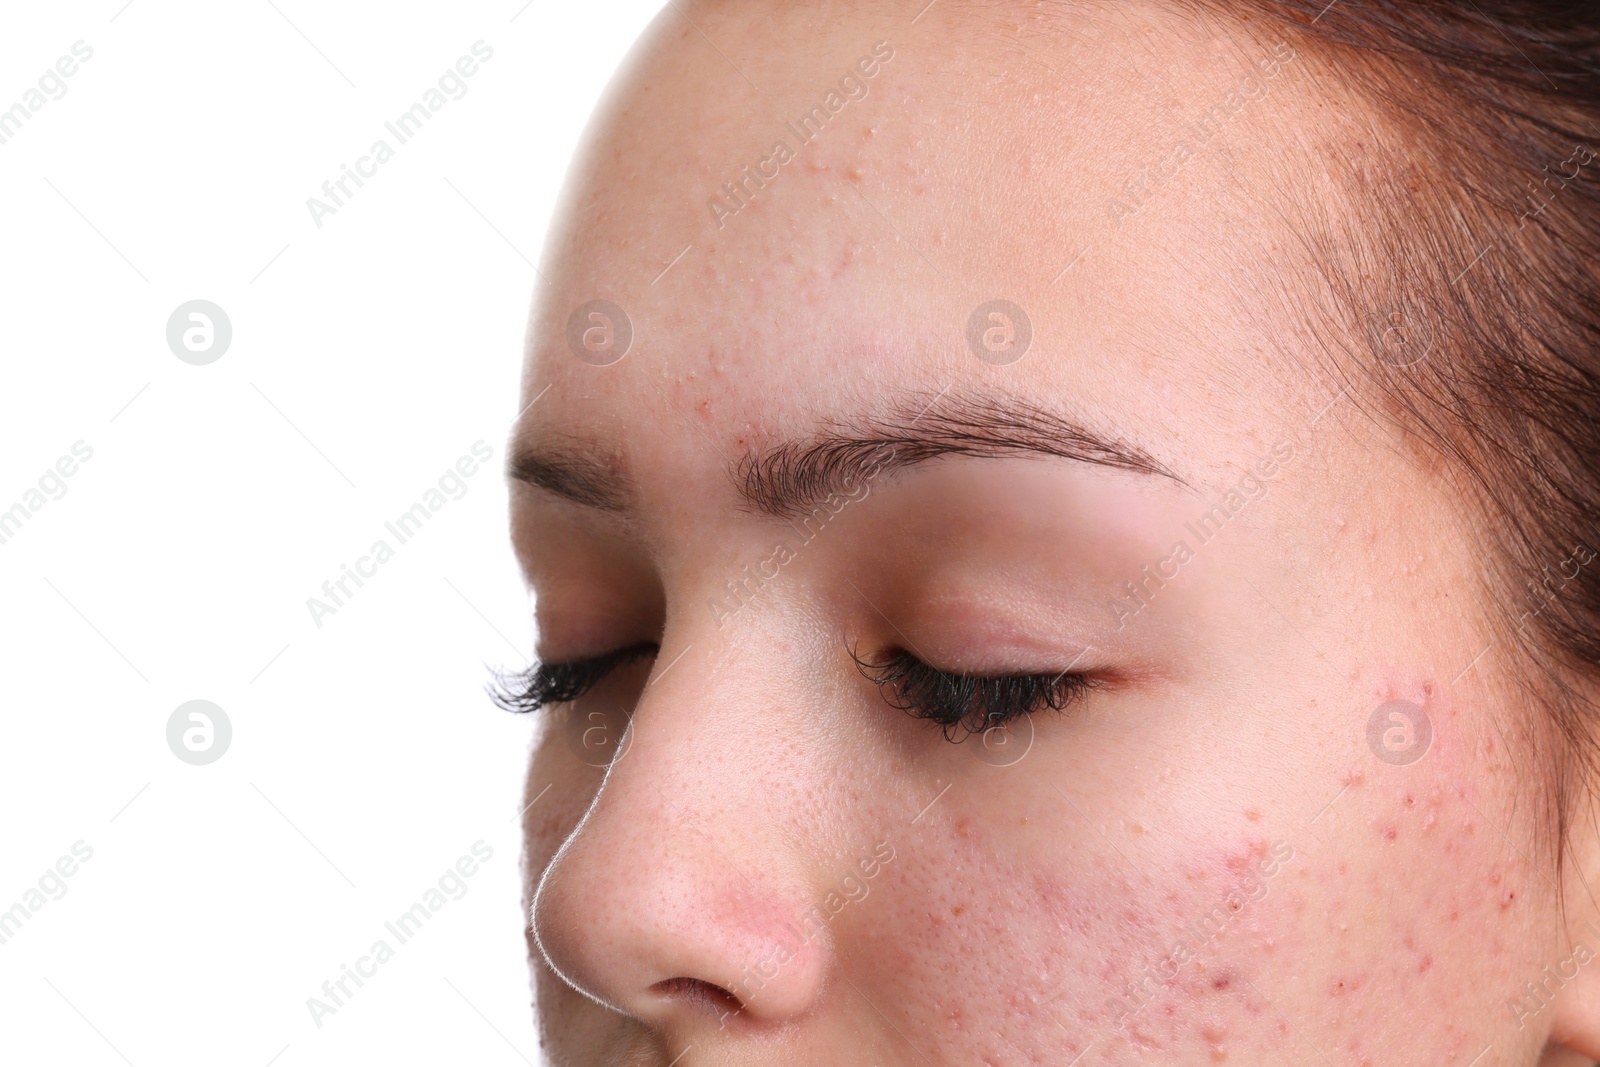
[[1214, 1034]]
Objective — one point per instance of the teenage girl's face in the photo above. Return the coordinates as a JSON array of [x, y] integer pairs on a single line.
[[946, 378]]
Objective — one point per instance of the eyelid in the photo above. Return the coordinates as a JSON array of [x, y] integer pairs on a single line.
[[1011, 662], [623, 654], [967, 633], [546, 682], [971, 703]]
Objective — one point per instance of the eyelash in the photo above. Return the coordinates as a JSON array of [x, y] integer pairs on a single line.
[[522, 692], [965, 704], [959, 704]]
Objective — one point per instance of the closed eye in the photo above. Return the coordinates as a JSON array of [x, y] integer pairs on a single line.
[[557, 683], [966, 704], [960, 704]]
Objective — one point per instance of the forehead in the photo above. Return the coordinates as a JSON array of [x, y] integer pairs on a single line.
[[786, 210]]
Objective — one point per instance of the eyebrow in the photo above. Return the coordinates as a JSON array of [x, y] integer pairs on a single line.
[[580, 477], [792, 478]]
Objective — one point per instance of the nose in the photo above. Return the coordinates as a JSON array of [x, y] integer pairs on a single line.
[[682, 897]]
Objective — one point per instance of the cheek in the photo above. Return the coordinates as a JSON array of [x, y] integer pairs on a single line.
[[1424, 894], [1360, 934], [1090, 952]]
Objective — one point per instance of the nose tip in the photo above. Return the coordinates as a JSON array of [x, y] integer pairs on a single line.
[[675, 933]]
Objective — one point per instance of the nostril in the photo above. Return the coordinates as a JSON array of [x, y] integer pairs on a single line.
[[697, 992]]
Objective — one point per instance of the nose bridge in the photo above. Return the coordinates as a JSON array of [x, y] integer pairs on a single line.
[[682, 887]]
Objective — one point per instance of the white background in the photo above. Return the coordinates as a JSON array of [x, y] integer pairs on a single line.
[[367, 356]]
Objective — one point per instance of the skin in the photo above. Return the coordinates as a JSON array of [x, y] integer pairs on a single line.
[[1024, 904]]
